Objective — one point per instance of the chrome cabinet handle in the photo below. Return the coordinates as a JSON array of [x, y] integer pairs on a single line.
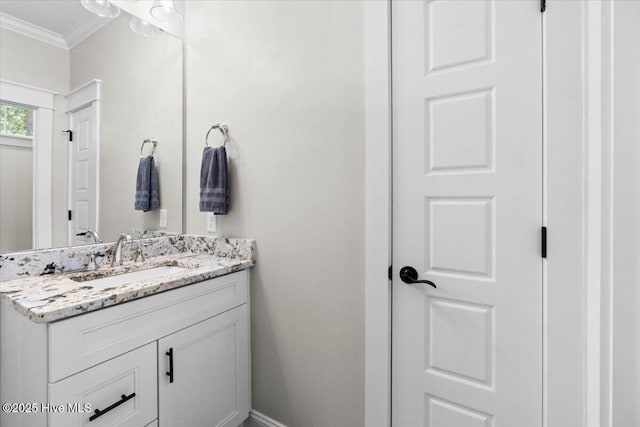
[[410, 275]]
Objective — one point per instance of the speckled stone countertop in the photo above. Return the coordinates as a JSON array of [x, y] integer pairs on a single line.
[[47, 297]]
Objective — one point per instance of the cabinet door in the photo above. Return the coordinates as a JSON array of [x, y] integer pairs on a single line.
[[122, 389], [204, 373]]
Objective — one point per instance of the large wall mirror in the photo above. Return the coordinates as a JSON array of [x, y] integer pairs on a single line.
[[64, 68]]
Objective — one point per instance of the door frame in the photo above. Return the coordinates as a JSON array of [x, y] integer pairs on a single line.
[[583, 295], [41, 100], [378, 208]]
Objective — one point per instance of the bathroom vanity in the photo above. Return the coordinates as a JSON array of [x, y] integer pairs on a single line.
[[161, 342]]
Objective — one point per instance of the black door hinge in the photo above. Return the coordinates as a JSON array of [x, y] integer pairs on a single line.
[[543, 5], [390, 272], [69, 132], [543, 242], [69, 215]]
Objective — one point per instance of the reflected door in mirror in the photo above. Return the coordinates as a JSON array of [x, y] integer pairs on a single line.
[[83, 176]]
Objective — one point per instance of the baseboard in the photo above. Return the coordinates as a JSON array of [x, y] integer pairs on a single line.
[[262, 418]]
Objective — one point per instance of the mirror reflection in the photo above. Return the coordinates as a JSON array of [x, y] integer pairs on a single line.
[[79, 94]]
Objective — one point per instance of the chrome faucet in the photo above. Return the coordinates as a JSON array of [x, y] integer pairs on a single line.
[[92, 233], [117, 252], [95, 235]]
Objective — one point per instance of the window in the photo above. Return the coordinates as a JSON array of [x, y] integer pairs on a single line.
[[15, 120]]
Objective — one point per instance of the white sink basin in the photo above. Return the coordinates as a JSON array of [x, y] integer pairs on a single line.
[[134, 276]]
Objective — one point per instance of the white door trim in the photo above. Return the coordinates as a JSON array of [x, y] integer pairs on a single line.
[[608, 214], [84, 95], [42, 101], [378, 229], [593, 207], [377, 26]]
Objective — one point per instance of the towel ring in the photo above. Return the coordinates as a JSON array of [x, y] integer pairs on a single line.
[[151, 141], [223, 128]]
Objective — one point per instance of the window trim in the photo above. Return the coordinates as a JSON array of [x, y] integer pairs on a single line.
[[41, 101], [10, 140]]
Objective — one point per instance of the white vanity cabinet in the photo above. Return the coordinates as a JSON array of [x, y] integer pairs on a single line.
[[203, 372], [118, 360]]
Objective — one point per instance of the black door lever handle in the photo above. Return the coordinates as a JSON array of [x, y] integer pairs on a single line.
[[410, 275]]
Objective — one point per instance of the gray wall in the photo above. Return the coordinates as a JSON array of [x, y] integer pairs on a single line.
[[16, 191], [288, 77]]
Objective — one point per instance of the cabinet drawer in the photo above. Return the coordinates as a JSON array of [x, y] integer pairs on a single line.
[[124, 389], [84, 341]]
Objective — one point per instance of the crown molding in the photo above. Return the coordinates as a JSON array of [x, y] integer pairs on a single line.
[[65, 41], [84, 30], [30, 30]]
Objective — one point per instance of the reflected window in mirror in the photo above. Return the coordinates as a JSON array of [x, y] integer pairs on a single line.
[[16, 120]]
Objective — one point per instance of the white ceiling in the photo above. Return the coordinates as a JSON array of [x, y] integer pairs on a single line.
[[63, 23]]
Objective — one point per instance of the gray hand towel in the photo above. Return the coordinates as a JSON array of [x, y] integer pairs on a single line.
[[214, 183], [147, 192]]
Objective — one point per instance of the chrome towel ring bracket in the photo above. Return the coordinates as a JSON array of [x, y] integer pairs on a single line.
[[151, 141], [223, 128]]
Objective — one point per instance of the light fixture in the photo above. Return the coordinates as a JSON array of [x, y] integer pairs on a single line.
[[166, 12], [101, 8], [142, 27]]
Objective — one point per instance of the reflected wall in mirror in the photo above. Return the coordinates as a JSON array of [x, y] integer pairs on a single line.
[[113, 88]]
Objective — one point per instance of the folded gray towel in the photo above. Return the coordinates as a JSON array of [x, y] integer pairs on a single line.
[[147, 192], [214, 183]]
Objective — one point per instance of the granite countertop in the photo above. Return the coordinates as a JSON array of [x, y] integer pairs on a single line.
[[51, 297]]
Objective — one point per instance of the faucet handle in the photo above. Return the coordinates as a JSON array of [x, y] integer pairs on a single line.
[[92, 262], [138, 254]]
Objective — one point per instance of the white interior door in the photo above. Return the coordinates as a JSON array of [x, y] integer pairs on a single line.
[[83, 174], [467, 128]]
